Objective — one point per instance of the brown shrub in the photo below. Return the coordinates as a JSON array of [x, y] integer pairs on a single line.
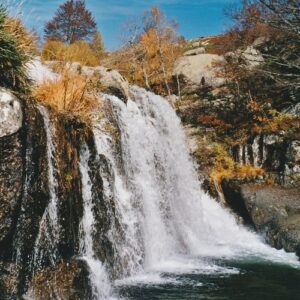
[[52, 50], [213, 121], [79, 51], [69, 94]]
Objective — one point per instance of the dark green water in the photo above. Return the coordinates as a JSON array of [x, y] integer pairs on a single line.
[[253, 281]]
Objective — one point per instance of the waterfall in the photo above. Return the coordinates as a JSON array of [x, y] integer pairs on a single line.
[[127, 240], [158, 220], [168, 220], [48, 235], [101, 287]]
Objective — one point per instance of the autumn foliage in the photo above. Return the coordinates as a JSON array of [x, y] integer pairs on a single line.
[[213, 121], [148, 57], [79, 51], [72, 22]]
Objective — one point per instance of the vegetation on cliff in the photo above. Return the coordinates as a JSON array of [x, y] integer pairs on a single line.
[[260, 90], [17, 47]]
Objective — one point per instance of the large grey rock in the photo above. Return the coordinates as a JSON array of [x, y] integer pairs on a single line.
[[11, 116], [274, 211], [110, 80], [195, 68], [252, 57], [197, 51]]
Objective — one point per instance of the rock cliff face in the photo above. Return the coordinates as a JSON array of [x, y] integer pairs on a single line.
[[29, 257], [278, 155], [273, 211], [206, 106]]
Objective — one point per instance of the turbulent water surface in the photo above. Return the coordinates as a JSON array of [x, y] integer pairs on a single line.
[[175, 241]]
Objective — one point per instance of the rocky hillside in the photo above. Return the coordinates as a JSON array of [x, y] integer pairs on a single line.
[[252, 162]]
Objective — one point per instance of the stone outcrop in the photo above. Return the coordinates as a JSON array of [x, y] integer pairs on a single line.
[[276, 153], [113, 83], [195, 51], [197, 69], [10, 113], [274, 211], [110, 81]]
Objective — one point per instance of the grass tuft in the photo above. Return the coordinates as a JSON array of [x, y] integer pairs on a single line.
[[69, 94]]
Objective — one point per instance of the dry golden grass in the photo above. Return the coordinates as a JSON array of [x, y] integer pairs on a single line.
[[26, 40], [80, 52], [225, 166], [239, 171], [68, 94]]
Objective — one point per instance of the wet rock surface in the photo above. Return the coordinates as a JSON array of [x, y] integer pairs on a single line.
[[273, 211], [11, 182], [67, 280], [24, 197]]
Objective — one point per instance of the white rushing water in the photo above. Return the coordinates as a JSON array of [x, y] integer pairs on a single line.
[[170, 224], [101, 287], [162, 222], [48, 229]]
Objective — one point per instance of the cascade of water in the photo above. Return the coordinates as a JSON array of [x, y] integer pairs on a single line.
[[48, 228], [166, 215], [101, 287], [127, 239]]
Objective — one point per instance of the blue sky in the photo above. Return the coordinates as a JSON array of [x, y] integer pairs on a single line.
[[196, 17]]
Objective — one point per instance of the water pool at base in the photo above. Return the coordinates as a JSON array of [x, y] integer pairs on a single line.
[[245, 281]]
